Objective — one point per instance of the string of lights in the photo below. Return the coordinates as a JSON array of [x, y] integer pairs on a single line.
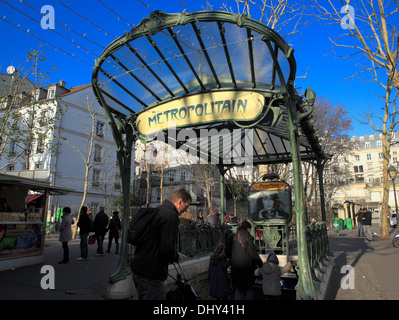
[[46, 42], [51, 30]]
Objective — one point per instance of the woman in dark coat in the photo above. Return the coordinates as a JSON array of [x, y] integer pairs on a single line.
[[244, 259], [219, 282], [114, 227]]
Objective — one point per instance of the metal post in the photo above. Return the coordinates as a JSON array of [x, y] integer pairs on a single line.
[[320, 170], [305, 287], [222, 204]]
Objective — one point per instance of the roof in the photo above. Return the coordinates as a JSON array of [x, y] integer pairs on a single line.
[[76, 89], [212, 71], [35, 185]]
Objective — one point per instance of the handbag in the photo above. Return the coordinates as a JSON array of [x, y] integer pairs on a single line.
[[91, 239]]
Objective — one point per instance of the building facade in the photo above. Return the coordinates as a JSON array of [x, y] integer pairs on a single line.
[[364, 172], [78, 140]]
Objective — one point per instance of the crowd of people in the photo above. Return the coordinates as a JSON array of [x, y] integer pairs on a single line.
[[151, 259], [87, 226]]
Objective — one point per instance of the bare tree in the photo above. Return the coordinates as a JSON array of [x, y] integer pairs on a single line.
[[283, 16], [25, 122], [370, 31], [88, 150]]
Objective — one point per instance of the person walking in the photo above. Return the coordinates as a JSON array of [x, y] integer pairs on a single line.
[[360, 226], [244, 259], [66, 233], [85, 226], [114, 228], [219, 281], [152, 257], [100, 229], [271, 272], [367, 224]]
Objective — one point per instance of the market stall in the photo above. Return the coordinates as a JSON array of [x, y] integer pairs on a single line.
[[23, 216]]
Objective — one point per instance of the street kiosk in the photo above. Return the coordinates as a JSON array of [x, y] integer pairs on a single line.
[[23, 214]]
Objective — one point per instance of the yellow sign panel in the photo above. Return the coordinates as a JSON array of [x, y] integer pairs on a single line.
[[274, 185], [202, 108]]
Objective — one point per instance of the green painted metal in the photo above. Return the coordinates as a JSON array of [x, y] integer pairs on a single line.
[[285, 114]]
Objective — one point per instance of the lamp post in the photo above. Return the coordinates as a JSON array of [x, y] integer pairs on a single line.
[[211, 186], [392, 174]]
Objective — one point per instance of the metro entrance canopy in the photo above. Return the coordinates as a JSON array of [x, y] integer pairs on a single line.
[[212, 70]]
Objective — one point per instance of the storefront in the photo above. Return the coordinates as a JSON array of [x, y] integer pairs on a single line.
[[23, 216]]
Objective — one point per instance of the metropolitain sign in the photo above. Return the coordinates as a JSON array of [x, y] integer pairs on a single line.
[[202, 108]]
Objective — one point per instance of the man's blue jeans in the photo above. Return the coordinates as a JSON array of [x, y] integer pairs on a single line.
[[360, 229], [100, 241]]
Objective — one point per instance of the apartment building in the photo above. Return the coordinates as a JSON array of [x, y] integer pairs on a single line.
[[363, 168], [60, 155]]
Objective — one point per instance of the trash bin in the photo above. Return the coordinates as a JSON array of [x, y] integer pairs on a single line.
[[349, 223], [339, 222]]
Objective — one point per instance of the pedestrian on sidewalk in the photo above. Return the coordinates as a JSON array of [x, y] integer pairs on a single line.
[[367, 224], [219, 281], [114, 228], [244, 258], [66, 233], [100, 229], [152, 258], [85, 226], [360, 226]]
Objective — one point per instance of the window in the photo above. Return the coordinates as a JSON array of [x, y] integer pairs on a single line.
[[10, 167], [172, 175], [38, 165], [368, 156], [380, 155], [379, 144], [51, 94], [96, 178], [367, 145], [97, 153], [117, 181], [100, 129], [182, 175], [40, 146], [11, 150]]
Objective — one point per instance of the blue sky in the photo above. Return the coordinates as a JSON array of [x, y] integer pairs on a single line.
[[94, 26]]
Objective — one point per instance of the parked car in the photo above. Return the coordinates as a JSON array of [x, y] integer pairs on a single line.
[[393, 220]]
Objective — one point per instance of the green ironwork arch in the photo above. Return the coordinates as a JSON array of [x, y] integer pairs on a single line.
[[173, 64]]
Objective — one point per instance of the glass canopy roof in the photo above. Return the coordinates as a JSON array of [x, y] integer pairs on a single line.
[[169, 57]]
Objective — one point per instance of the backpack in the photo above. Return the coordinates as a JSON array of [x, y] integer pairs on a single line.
[[140, 225]]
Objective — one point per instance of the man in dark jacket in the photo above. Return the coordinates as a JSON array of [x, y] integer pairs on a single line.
[[360, 227], [84, 224], [152, 257], [114, 228], [100, 229]]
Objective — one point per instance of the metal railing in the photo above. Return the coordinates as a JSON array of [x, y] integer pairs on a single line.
[[201, 238], [318, 246]]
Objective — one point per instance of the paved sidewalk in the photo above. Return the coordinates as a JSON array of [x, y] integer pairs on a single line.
[[374, 264], [375, 268], [76, 280]]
